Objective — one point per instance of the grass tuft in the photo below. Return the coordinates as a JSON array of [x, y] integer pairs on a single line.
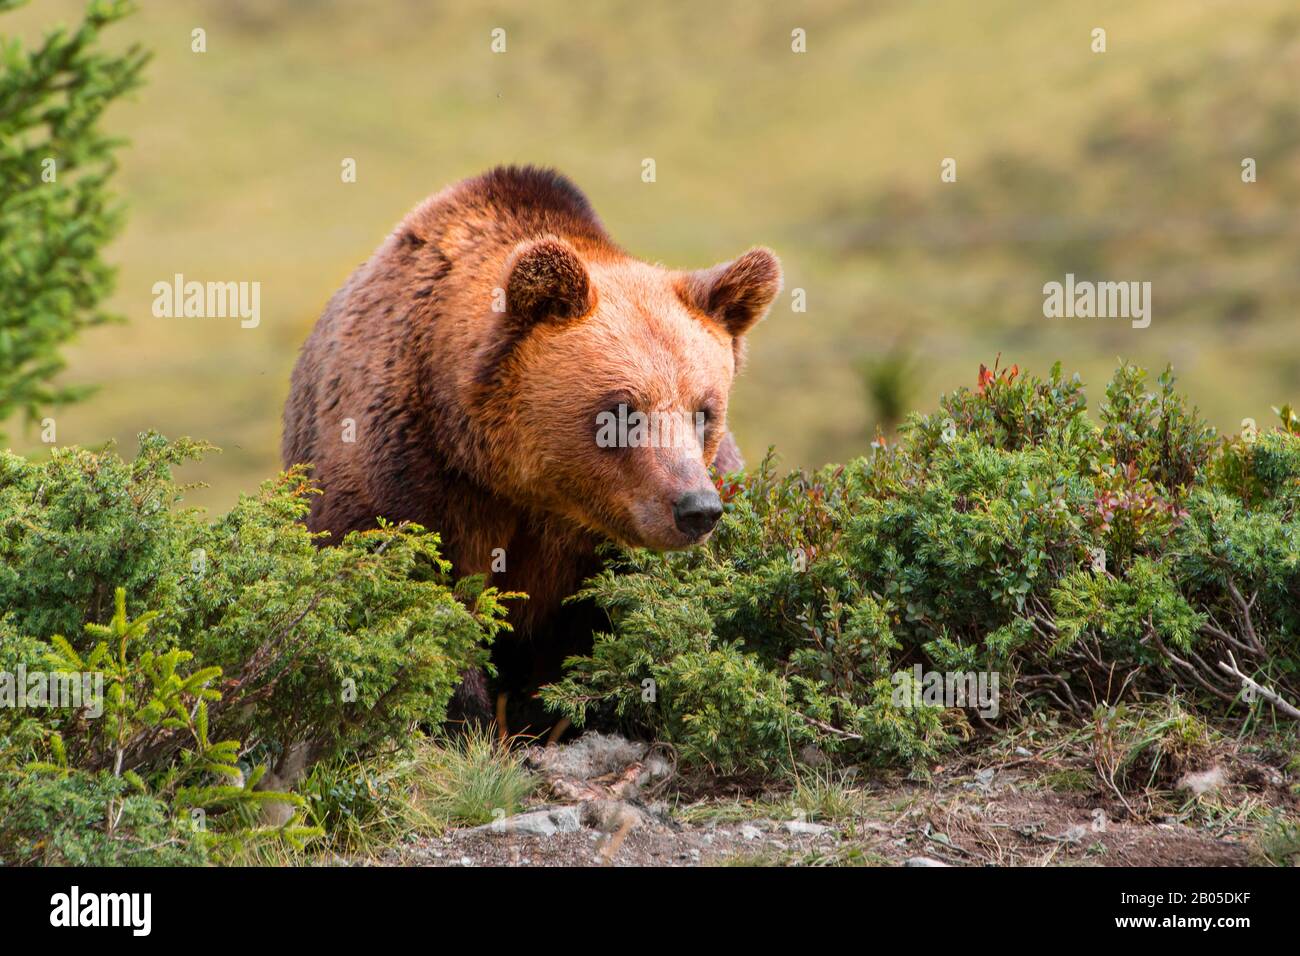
[[470, 780]]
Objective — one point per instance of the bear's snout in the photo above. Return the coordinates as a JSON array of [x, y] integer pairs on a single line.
[[696, 512]]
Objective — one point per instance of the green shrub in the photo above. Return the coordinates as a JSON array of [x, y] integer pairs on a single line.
[[1154, 432], [1084, 563], [300, 652], [62, 820], [90, 803]]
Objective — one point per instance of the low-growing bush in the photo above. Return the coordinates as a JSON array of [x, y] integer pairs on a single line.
[[235, 654], [1083, 563]]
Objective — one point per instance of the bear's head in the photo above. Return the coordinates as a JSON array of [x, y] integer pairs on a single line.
[[606, 387]]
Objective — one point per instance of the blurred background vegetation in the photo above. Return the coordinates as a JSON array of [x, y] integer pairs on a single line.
[[1117, 166]]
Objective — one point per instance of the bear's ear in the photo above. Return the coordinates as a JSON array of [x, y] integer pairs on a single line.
[[736, 293], [546, 279]]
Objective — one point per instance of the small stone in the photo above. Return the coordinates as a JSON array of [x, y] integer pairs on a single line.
[[536, 823], [804, 828], [748, 832], [924, 861]]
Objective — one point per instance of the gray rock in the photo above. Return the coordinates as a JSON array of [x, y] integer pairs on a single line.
[[804, 828], [924, 861], [536, 822]]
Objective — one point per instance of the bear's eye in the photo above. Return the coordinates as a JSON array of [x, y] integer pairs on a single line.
[[611, 420]]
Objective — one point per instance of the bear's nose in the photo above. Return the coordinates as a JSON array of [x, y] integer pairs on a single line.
[[696, 512]]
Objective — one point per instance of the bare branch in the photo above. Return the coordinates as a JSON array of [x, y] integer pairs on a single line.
[[1269, 695]]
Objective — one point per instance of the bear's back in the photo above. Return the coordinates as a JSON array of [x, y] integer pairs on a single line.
[[393, 354], [487, 215]]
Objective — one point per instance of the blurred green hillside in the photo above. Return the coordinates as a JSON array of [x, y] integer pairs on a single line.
[[1117, 166]]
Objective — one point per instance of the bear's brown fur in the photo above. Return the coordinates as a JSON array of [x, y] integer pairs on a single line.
[[473, 353]]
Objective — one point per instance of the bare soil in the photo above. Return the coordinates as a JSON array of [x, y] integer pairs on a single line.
[[977, 811]]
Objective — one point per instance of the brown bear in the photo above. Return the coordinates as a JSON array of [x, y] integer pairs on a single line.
[[465, 378]]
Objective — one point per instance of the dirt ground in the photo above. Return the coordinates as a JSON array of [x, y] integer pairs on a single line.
[[1016, 810]]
